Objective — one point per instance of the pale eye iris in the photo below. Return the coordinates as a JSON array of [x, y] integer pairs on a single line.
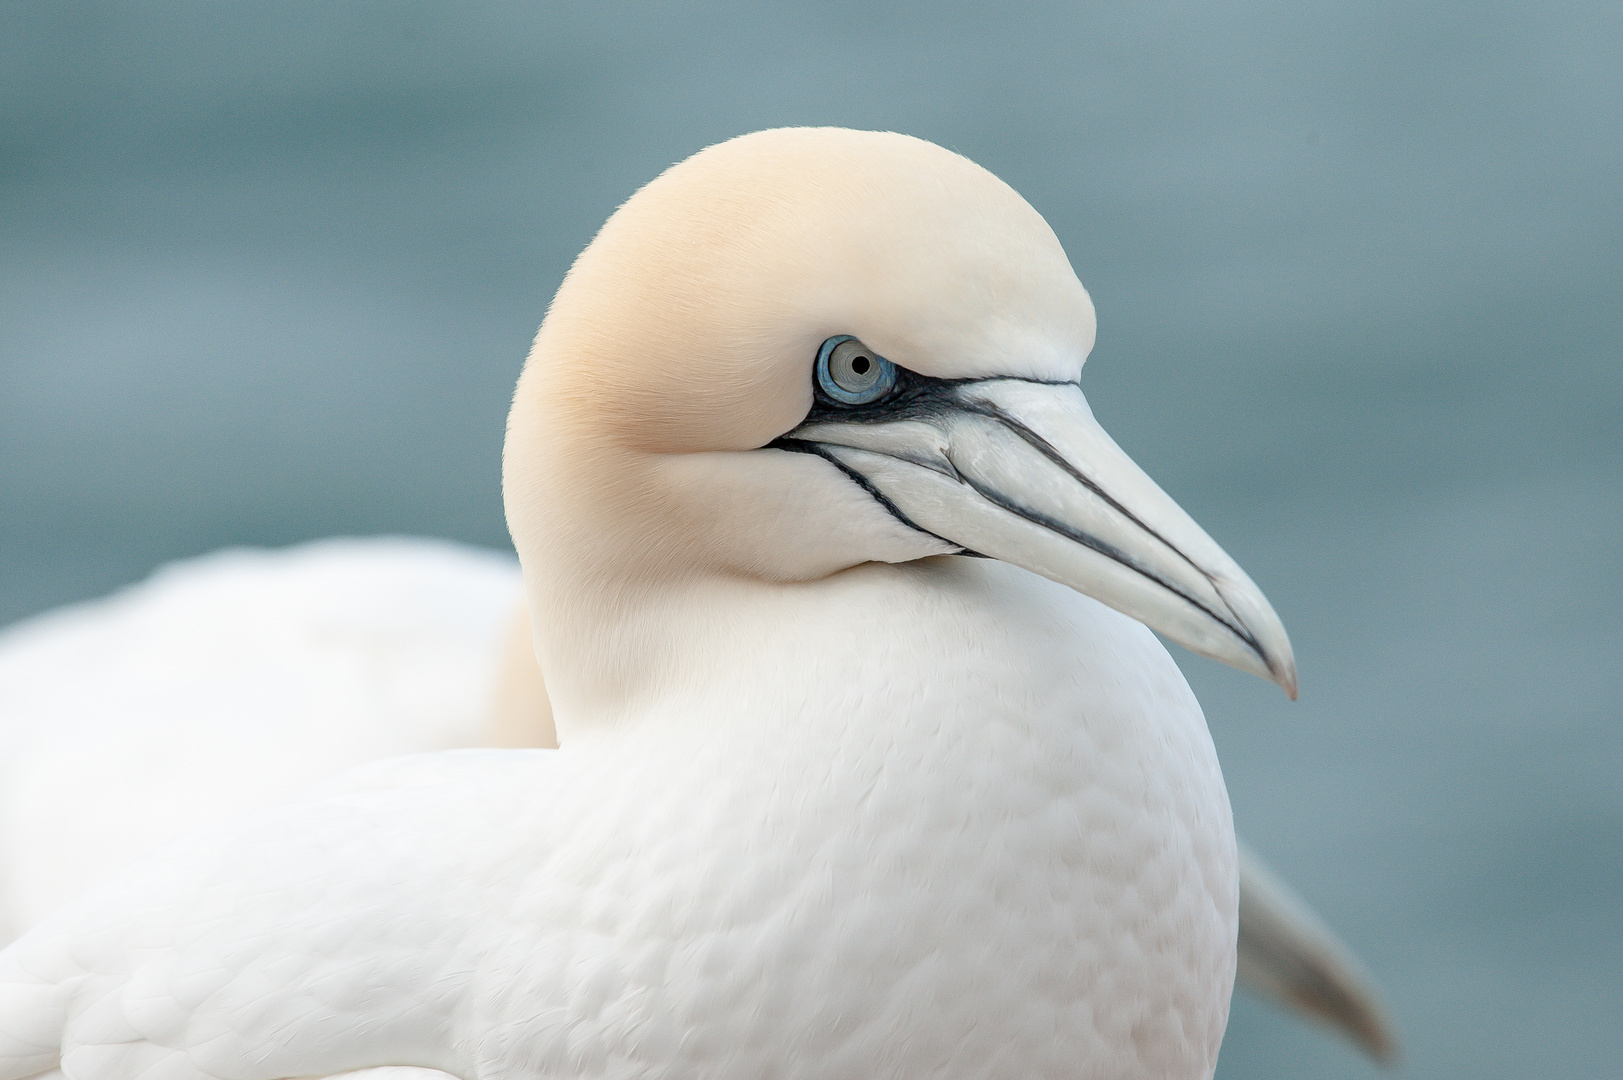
[[851, 373]]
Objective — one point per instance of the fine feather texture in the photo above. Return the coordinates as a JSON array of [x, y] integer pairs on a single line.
[[505, 913], [224, 683], [443, 602]]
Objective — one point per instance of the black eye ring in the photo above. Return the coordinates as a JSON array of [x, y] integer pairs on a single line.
[[850, 373]]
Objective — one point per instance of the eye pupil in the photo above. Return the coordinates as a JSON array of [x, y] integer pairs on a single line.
[[860, 365]]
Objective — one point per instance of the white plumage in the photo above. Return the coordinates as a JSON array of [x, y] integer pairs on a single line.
[[390, 642], [224, 683], [816, 815], [479, 926]]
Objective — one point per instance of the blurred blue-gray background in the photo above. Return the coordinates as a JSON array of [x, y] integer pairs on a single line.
[[267, 272]]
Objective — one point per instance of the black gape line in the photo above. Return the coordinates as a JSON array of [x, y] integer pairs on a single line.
[[913, 397], [797, 446], [923, 397]]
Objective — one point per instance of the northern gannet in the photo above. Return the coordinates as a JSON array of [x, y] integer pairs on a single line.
[[832, 801], [226, 682]]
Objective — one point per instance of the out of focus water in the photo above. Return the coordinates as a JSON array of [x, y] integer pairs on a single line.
[[268, 272]]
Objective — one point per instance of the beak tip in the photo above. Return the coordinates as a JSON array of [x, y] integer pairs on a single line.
[[1269, 646], [1287, 680], [1281, 663]]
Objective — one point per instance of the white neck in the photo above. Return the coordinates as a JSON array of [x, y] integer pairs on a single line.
[[1026, 764]]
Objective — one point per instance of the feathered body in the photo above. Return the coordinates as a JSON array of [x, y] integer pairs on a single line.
[[1031, 876]]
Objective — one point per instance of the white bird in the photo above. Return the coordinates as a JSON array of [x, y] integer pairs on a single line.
[[224, 683], [829, 803]]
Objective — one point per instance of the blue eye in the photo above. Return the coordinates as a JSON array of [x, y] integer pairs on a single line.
[[851, 373]]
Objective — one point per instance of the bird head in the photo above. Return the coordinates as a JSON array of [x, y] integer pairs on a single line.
[[806, 349]]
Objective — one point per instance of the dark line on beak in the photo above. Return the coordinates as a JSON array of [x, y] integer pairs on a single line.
[[796, 446], [922, 397], [1044, 447], [1116, 555]]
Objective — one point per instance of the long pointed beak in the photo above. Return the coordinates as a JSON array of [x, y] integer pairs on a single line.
[[1021, 471]]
